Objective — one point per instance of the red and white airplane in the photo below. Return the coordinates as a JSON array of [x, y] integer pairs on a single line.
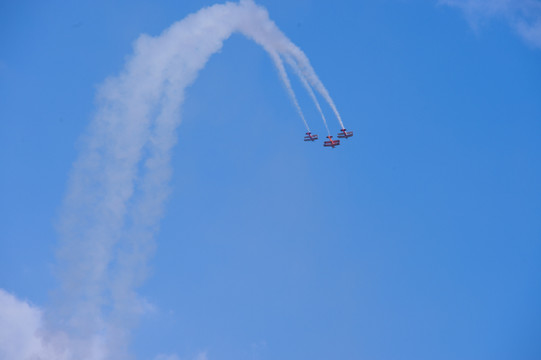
[[332, 143], [310, 137], [343, 134]]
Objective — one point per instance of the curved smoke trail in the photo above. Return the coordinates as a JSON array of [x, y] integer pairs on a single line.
[[119, 183]]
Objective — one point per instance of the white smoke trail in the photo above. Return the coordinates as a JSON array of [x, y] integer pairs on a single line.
[[285, 79], [308, 88], [119, 183], [311, 76]]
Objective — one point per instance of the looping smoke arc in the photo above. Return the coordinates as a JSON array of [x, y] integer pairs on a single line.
[[119, 183]]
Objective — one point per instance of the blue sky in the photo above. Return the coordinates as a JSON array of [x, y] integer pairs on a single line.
[[419, 238]]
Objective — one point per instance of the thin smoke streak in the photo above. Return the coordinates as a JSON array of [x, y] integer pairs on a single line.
[[285, 79], [308, 88], [310, 75]]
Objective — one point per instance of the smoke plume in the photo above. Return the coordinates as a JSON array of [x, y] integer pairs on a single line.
[[119, 183]]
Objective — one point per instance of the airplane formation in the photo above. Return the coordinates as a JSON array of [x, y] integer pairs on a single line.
[[343, 134]]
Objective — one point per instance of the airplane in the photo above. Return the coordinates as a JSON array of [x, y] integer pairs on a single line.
[[343, 134], [332, 143], [310, 137]]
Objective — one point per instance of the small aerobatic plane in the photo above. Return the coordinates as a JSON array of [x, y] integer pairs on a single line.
[[310, 137], [343, 134], [332, 143]]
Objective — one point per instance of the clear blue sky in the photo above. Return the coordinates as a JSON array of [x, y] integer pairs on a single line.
[[418, 239]]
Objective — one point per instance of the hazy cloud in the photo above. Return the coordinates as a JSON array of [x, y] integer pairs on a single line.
[[22, 336], [524, 16], [20, 323], [167, 357], [199, 356]]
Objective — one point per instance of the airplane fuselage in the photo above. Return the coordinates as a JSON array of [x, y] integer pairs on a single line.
[[343, 134], [331, 143]]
